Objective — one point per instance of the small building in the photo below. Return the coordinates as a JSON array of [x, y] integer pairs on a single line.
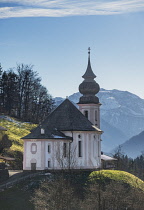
[[107, 162], [69, 138]]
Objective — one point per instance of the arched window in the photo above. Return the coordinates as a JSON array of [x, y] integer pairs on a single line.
[[80, 148], [49, 164], [95, 152], [49, 148], [99, 149], [86, 114], [96, 116], [64, 149]]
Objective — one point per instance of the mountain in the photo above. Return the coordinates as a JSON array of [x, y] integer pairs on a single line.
[[122, 116], [111, 136], [134, 146]]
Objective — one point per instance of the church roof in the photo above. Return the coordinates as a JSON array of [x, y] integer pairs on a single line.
[[66, 117]]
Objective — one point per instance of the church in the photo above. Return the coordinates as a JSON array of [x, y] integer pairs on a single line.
[[69, 138]]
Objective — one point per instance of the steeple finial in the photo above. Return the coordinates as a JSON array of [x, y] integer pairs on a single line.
[[89, 73], [89, 49], [89, 88]]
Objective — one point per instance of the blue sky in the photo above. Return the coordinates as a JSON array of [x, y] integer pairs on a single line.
[[54, 37]]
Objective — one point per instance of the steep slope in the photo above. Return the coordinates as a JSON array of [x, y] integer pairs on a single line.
[[15, 130], [134, 146], [122, 116]]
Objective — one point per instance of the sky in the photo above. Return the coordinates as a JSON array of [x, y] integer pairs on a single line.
[[54, 35]]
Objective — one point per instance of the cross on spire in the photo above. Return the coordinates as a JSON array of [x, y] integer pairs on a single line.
[[89, 49]]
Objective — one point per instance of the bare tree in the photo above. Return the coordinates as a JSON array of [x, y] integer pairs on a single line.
[[60, 192], [22, 95], [65, 156], [112, 196], [55, 193]]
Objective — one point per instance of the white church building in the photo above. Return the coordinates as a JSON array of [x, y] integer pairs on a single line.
[[69, 138]]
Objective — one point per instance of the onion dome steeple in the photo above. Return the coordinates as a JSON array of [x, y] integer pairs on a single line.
[[89, 88], [89, 73]]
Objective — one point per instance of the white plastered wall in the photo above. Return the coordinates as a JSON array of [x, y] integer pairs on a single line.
[[90, 156], [90, 152], [36, 157]]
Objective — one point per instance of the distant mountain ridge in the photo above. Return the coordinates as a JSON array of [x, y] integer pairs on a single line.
[[122, 116], [134, 146]]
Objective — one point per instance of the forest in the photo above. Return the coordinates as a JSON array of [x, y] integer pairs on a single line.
[[134, 166], [22, 95]]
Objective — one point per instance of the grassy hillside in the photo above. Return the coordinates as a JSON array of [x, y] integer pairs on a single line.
[[58, 189], [120, 176], [15, 131]]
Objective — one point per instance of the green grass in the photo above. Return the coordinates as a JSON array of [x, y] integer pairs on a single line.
[[15, 131], [120, 176]]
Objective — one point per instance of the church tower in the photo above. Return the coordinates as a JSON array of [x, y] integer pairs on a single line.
[[89, 103]]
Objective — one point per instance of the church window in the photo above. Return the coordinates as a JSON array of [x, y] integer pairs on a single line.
[[64, 149], [95, 115], [95, 149], [86, 114], [79, 136], [99, 149], [49, 148], [49, 163], [79, 148], [33, 148]]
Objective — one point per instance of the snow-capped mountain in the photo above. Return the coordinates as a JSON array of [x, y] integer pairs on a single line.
[[122, 116]]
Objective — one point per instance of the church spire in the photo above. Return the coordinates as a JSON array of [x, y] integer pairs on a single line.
[[89, 73], [89, 88]]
